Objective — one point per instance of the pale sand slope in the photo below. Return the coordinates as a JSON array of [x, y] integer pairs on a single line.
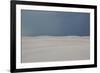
[[49, 48]]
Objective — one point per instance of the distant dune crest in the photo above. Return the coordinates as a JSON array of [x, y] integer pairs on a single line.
[[47, 37]]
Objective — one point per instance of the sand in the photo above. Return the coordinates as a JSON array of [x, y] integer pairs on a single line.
[[53, 48]]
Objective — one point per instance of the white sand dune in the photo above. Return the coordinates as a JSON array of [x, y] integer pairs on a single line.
[[53, 48]]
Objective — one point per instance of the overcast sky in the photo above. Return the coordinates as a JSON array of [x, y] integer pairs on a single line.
[[51, 23]]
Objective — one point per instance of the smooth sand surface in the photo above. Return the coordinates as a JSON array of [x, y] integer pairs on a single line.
[[48, 48]]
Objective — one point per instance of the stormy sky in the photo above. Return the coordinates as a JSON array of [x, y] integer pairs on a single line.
[[54, 23]]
